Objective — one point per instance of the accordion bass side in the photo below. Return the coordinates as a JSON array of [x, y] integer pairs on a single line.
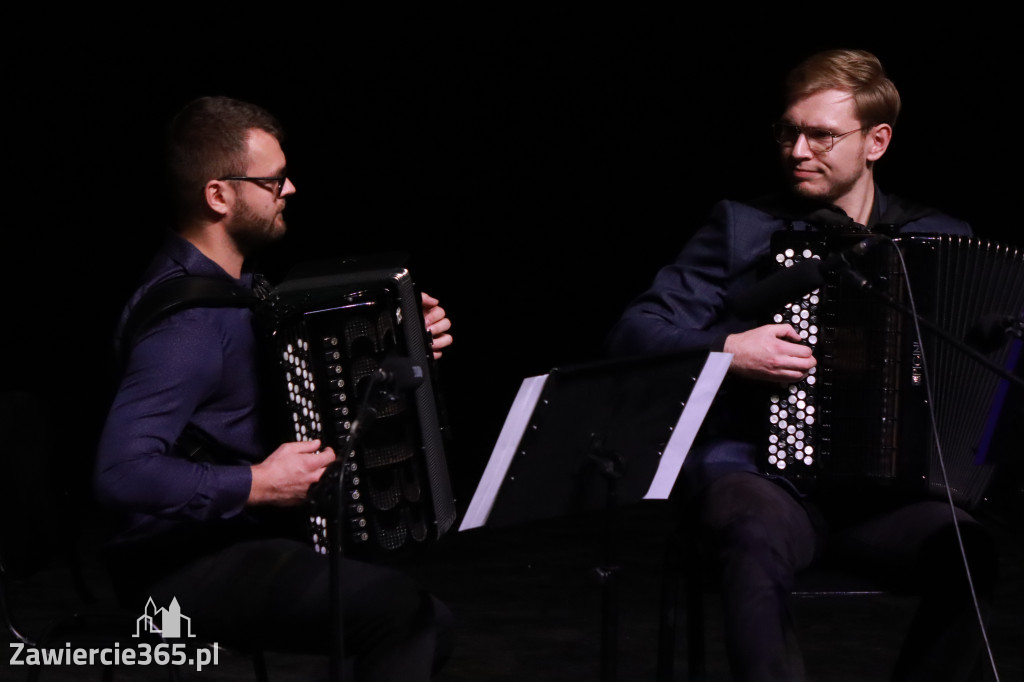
[[862, 419], [330, 336]]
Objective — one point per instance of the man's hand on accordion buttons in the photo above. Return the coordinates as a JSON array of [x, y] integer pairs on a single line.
[[284, 477], [770, 353], [437, 324]]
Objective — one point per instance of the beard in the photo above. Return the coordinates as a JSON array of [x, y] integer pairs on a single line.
[[829, 186], [251, 230]]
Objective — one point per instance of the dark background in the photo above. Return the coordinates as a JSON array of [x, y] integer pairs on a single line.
[[538, 168]]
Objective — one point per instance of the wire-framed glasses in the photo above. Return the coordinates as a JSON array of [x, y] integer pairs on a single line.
[[819, 140]]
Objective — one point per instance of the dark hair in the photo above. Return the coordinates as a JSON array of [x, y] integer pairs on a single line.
[[855, 71], [206, 141]]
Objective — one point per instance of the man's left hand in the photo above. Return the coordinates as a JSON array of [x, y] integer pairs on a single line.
[[437, 324]]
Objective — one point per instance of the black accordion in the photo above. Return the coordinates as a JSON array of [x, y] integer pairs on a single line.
[[333, 333], [862, 419]]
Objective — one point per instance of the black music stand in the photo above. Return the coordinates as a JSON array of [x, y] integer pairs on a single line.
[[592, 438]]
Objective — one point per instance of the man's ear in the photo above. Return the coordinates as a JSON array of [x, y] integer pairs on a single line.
[[219, 196], [877, 141]]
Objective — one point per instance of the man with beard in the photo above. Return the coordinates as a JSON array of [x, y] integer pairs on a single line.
[[840, 109], [208, 533]]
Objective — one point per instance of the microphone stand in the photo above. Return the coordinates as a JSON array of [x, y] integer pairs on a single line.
[[611, 467], [335, 533]]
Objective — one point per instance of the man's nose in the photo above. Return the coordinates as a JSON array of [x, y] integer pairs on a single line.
[[801, 148], [289, 187]]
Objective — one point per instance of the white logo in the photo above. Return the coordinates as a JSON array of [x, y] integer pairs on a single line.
[[170, 621]]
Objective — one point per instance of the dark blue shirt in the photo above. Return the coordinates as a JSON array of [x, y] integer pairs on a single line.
[[196, 367]]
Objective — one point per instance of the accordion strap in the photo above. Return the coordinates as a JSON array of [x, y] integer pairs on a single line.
[[180, 293], [187, 291], [897, 213]]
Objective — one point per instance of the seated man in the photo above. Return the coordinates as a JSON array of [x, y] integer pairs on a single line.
[[211, 535], [838, 122]]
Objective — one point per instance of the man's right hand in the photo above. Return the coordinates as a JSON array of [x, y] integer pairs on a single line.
[[770, 353], [283, 478]]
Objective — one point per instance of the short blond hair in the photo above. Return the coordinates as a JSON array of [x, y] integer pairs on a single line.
[[855, 71]]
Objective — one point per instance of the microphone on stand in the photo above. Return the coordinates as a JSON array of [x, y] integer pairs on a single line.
[[990, 332], [394, 374], [399, 373], [842, 262], [793, 282]]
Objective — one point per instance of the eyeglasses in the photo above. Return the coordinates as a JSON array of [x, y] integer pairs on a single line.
[[819, 140], [279, 179]]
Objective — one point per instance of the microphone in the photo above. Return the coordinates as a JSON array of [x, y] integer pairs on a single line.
[[793, 282], [990, 332], [395, 373], [778, 289], [841, 262], [400, 373]]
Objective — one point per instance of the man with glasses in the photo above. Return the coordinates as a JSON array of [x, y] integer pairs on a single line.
[[838, 123], [207, 532]]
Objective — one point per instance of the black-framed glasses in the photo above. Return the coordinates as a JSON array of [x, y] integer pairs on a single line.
[[819, 140], [278, 179]]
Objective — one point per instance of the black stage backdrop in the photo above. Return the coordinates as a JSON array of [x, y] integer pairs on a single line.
[[539, 169]]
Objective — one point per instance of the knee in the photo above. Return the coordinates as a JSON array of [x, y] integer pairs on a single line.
[[751, 543], [761, 535]]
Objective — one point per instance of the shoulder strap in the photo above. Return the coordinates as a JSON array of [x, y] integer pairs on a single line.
[[898, 212], [187, 291], [793, 209]]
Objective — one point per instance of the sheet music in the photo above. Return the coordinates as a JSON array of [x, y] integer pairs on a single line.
[[694, 411], [504, 450]]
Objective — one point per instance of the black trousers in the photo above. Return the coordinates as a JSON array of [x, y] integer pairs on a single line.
[[760, 535], [274, 593]]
